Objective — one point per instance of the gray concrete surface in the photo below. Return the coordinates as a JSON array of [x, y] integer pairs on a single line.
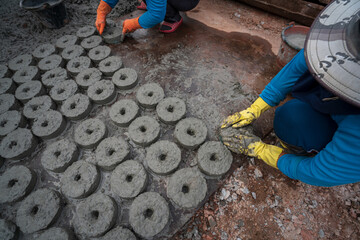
[[48, 124], [125, 78], [170, 110], [26, 74], [144, 131], [43, 51], [38, 105], [99, 53], [52, 77], [51, 62], [78, 64], [9, 121], [63, 90], [91, 42], [123, 112], [76, 107], [190, 132], [18, 144], [26, 91], [73, 51], [149, 95], [110, 65], [102, 92], [20, 62], [88, 77], [65, 41], [89, 133]]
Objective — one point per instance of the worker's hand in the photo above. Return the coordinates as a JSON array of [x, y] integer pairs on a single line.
[[247, 116], [130, 25], [103, 10]]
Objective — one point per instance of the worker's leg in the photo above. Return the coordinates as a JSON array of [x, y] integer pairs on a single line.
[[297, 124], [175, 6]]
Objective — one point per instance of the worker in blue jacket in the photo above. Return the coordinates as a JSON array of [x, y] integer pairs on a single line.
[[165, 11], [319, 130]]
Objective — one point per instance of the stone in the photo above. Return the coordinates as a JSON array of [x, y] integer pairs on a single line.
[[89, 133], [118, 233], [43, 51], [4, 71], [125, 78], [149, 214], [171, 110], [20, 62], [38, 211], [51, 62], [187, 188], [123, 112], [144, 131], [99, 53], [65, 41], [78, 64], [95, 215], [80, 180], [73, 51], [91, 42], [88, 77], [163, 157], [110, 65], [149, 95], [38, 105], [7, 86], [9, 121], [54, 76], [55, 233], [102, 92], [128, 179], [18, 144], [29, 90], [85, 32], [76, 107], [48, 125], [214, 159], [8, 102], [8, 230], [63, 90], [26, 74], [15, 183], [112, 35], [110, 152], [190, 132], [59, 155]]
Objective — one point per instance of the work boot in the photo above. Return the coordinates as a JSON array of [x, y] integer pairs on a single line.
[[142, 6], [169, 26]]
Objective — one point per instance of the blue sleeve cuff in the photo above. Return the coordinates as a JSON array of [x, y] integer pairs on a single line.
[[112, 3], [288, 164], [155, 14]]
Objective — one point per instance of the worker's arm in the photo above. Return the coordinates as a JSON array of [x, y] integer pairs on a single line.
[[155, 14]]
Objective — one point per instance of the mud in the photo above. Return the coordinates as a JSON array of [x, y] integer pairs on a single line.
[[99, 53], [144, 131], [54, 76], [63, 90], [76, 107], [91, 42], [51, 62], [149, 95], [125, 78], [43, 51], [171, 110], [123, 112], [88, 77], [9, 121], [26, 74], [73, 51], [102, 92], [48, 125]]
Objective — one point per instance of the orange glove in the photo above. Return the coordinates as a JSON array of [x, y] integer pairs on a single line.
[[130, 25], [103, 10]]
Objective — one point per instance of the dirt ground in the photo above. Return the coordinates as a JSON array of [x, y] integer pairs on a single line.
[[218, 61]]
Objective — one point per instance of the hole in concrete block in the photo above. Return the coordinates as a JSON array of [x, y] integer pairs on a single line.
[[97, 52], [70, 52], [150, 94], [12, 182], [35, 107], [25, 90], [190, 132], [214, 157], [162, 157], [3, 123], [170, 109], [12, 144], [65, 40], [143, 129], [86, 77], [45, 124], [77, 177], [95, 214], [23, 73], [89, 131], [107, 64], [57, 153], [76, 64], [185, 189], [42, 50], [99, 91], [52, 75], [129, 178], [48, 62], [73, 106], [60, 91], [123, 77], [89, 41], [110, 152], [148, 213], [34, 210], [122, 111], [19, 61]]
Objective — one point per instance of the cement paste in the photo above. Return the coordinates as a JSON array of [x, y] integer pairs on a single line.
[[112, 35], [59, 155], [63, 90], [7, 85], [15, 183], [78, 64], [28, 90], [125, 78], [144, 131], [99, 53], [52, 77], [65, 41], [214, 158], [128, 179], [110, 152], [26, 74], [39, 210], [76, 107], [85, 32], [149, 95], [18, 144], [80, 180], [95, 215], [171, 110], [88, 77], [50, 62], [4, 71], [91, 42], [43, 51], [48, 125], [187, 188], [190, 132], [8, 102], [20, 62], [118, 233], [55, 233], [163, 157], [73, 51], [110, 65], [89, 133], [149, 214], [123, 112], [8, 230], [102, 92], [38, 105], [9, 121]]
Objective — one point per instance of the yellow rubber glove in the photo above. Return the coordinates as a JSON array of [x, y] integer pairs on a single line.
[[103, 10], [130, 25], [247, 116]]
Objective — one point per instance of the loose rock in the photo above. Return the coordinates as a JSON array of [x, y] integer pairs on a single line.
[[190, 132], [144, 131], [88, 77], [76, 107], [89, 133], [110, 152], [171, 110], [149, 95], [123, 112], [102, 92], [48, 125], [18, 144], [63, 90], [125, 78], [9, 121], [54, 76]]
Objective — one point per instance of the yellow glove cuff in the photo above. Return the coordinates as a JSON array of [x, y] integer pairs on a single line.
[[258, 107], [268, 153]]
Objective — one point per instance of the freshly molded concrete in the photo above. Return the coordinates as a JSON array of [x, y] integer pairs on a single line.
[[39, 210], [38, 105], [8, 230], [20, 62], [149, 95], [99, 53], [43, 51], [190, 132], [4, 71], [52, 77], [95, 215], [73, 51], [102, 92], [112, 35], [63, 90], [9, 121], [149, 214], [51, 62], [85, 32], [59, 155], [118, 233], [91, 42], [125, 78], [26, 74], [128, 179], [48, 125], [123, 112], [18, 144], [214, 158], [55, 233], [15, 183], [78, 64], [76, 107], [144, 131], [110, 152], [110, 65], [7, 86], [163, 157], [28, 90], [8, 102], [80, 180], [89, 133], [187, 188], [65, 41], [171, 110], [88, 77]]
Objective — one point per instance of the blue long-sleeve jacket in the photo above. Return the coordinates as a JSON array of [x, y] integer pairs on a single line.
[[339, 162], [155, 14]]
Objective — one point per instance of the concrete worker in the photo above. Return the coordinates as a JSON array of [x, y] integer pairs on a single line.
[[319, 129], [165, 11]]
